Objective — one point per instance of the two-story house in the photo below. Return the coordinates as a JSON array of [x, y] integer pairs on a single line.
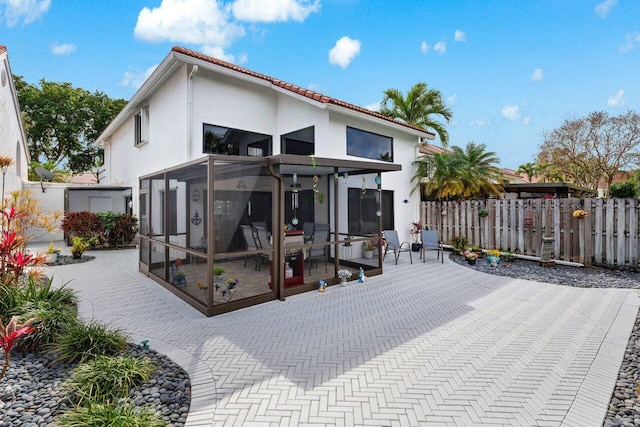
[[232, 169]]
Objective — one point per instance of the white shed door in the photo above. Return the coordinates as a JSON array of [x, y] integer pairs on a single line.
[[100, 204]]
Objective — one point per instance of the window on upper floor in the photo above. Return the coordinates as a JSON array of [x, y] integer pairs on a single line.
[[370, 145], [300, 142], [234, 142], [142, 126]]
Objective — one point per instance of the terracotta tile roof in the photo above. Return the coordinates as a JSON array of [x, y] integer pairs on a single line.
[[431, 149], [291, 87], [3, 49]]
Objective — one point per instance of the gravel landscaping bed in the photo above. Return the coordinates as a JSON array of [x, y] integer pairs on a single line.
[[68, 259], [624, 408], [31, 396]]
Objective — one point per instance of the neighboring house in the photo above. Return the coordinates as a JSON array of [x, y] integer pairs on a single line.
[[208, 147], [12, 138]]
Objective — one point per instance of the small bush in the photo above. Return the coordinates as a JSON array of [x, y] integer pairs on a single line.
[[33, 291], [52, 317], [100, 415], [81, 342], [82, 224], [623, 190], [459, 243], [108, 379]]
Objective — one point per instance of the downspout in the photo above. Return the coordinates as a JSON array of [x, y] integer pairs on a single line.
[[193, 72], [278, 234]]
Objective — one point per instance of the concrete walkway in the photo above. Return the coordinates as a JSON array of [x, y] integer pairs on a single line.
[[424, 344]]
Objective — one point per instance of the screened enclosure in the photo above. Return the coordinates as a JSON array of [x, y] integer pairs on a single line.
[[226, 232]]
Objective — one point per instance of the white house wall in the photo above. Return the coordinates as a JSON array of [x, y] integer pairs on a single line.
[[12, 140], [223, 101], [404, 153], [295, 113]]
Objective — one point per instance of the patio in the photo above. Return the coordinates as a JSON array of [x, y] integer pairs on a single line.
[[424, 343]]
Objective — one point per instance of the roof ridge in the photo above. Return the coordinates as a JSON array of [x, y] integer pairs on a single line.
[[307, 93]]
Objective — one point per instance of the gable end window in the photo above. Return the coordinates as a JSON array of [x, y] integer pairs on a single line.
[[369, 145], [142, 126], [234, 142]]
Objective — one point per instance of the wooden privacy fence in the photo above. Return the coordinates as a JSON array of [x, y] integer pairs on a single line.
[[607, 237]]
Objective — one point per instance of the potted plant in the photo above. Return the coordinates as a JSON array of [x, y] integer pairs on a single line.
[[52, 254], [493, 256], [470, 256], [79, 246], [343, 275], [367, 249], [416, 228]]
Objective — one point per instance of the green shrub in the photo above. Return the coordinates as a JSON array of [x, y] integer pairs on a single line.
[[80, 245], [81, 342], [108, 379], [124, 230], [459, 243], [623, 190], [52, 317], [33, 292], [100, 415]]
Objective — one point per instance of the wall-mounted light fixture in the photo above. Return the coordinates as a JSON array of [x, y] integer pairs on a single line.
[[195, 195], [241, 185], [196, 220]]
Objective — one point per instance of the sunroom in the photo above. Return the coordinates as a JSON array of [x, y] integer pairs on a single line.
[[226, 232]]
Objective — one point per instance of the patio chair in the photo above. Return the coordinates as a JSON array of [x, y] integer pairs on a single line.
[[430, 243], [263, 241], [393, 244], [307, 231], [320, 235], [249, 241]]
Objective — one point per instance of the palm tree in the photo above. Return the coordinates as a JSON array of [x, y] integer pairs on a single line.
[[479, 175], [529, 169], [459, 173], [417, 108]]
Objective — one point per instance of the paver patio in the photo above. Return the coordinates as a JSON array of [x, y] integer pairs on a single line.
[[423, 344]]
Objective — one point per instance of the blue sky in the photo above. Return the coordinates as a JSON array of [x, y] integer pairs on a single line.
[[509, 70]]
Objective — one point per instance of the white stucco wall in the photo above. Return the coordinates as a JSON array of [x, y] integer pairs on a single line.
[[50, 201], [12, 142], [236, 102]]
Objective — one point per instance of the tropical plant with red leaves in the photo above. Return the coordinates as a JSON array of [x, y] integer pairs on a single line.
[[9, 335], [12, 260]]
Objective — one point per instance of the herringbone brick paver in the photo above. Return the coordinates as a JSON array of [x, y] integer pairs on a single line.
[[423, 344]]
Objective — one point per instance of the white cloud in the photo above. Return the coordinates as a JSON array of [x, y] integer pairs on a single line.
[[424, 47], [537, 75], [373, 107], [617, 100], [480, 123], [603, 8], [460, 36], [218, 52], [136, 78], [632, 41], [440, 47], [63, 49], [274, 10], [452, 99], [511, 112], [526, 121], [27, 11], [344, 51], [200, 22]]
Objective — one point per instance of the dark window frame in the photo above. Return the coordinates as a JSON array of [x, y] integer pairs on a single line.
[[356, 209], [234, 149], [351, 145]]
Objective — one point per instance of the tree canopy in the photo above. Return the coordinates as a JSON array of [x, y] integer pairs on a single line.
[[62, 123], [418, 108], [459, 174], [592, 149]]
